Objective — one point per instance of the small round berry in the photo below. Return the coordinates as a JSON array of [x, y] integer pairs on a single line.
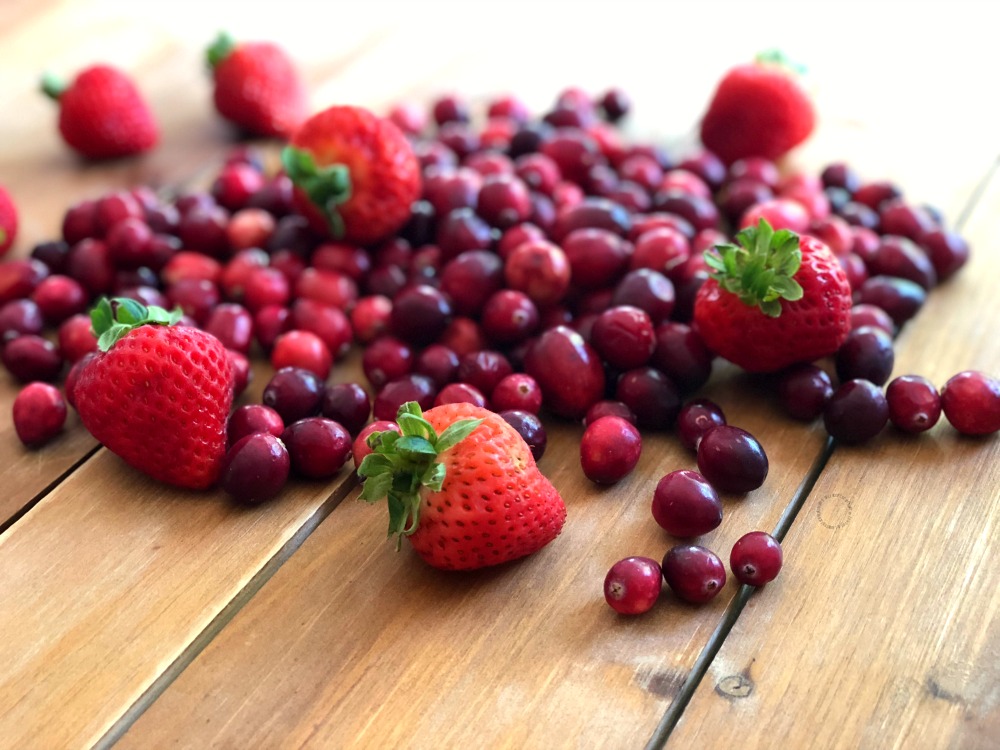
[[609, 449], [517, 391], [347, 404], [294, 393], [971, 403], [419, 314], [387, 358], [18, 317], [30, 357], [76, 338], [624, 337], [39, 413], [914, 403], [251, 418], [318, 447], [686, 505], [530, 428], [395, 393], [755, 558], [59, 297], [651, 395], [732, 460], [302, 349], [608, 408], [633, 585], [804, 390], [695, 574], [866, 353], [255, 468], [696, 418], [856, 412], [460, 393]]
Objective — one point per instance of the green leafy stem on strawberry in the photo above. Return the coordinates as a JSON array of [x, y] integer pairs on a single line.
[[760, 268], [327, 187], [402, 463], [111, 319]]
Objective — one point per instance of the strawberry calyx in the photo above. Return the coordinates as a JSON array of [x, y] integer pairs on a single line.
[[760, 269], [327, 186], [220, 49], [777, 58], [53, 86], [111, 319], [400, 464]]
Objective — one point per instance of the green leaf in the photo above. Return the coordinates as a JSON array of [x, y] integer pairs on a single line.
[[220, 49], [374, 464], [433, 478], [376, 487], [111, 336], [298, 163], [456, 432], [788, 289], [130, 312], [771, 308], [412, 424], [101, 318], [413, 448]]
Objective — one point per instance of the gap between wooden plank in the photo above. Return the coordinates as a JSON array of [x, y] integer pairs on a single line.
[[674, 711], [239, 600]]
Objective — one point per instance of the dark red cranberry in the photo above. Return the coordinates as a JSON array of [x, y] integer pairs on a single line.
[[859, 215], [695, 574], [840, 175], [460, 138], [239, 364], [608, 408], [503, 201], [304, 350], [348, 404], [386, 281], [597, 257], [147, 295], [251, 418], [875, 194], [233, 325], [39, 413], [732, 460], [707, 166], [342, 258], [437, 362], [76, 338], [29, 357], [592, 213], [651, 395], [395, 393], [695, 419], [509, 316], [530, 428], [517, 391], [292, 265], [736, 197], [538, 172], [89, 262], [292, 233], [18, 317], [804, 391], [484, 369], [914, 403], [867, 354], [681, 355], [204, 229], [420, 314], [609, 449], [447, 189], [630, 195], [255, 468], [461, 393], [540, 269], [659, 220], [573, 150], [946, 250], [897, 217], [568, 370], [755, 558], [647, 290], [115, 207], [80, 222], [59, 297], [196, 297], [53, 254], [854, 268], [902, 258], [624, 336], [318, 447], [632, 585], [900, 298], [470, 278], [686, 505], [460, 230], [463, 336], [856, 412], [870, 315], [294, 393], [449, 108], [529, 138], [128, 243], [971, 403], [268, 323], [700, 212], [642, 170]]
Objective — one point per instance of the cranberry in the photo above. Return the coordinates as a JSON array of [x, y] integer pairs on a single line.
[[680, 180], [503, 201], [538, 172], [318, 447], [609, 449], [591, 213], [39, 413], [329, 323], [470, 278], [651, 395], [461, 393], [530, 428], [395, 393], [686, 505], [971, 403], [52, 254], [360, 448], [251, 418], [804, 391], [597, 257], [203, 229], [462, 229], [899, 218], [642, 170], [129, 242], [302, 349], [419, 314], [255, 468], [249, 228], [517, 391], [509, 316], [196, 297], [568, 370], [681, 355], [352, 261], [900, 298], [633, 585], [89, 262], [270, 322], [648, 290], [59, 297], [439, 363], [946, 250], [294, 393], [902, 258], [292, 233], [447, 189], [695, 419], [840, 175], [235, 183], [292, 265], [370, 317], [540, 269], [695, 574], [449, 108], [833, 232], [190, 265], [737, 197], [80, 222], [856, 412], [408, 117], [914, 403], [864, 314], [701, 212], [780, 213], [608, 408], [732, 459], [866, 353], [18, 317], [328, 287], [624, 336], [30, 357], [164, 220], [573, 150], [661, 249], [233, 325], [484, 369], [115, 207], [875, 194], [859, 215], [707, 166], [755, 558], [76, 339], [348, 404], [463, 336], [239, 364], [386, 359]]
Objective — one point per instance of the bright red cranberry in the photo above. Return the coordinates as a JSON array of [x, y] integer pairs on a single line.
[[269, 322], [609, 449], [294, 393], [732, 460], [360, 448], [235, 183], [946, 250], [867, 354], [328, 287], [342, 258], [509, 317], [264, 286], [30, 357], [651, 395], [232, 324], [251, 418], [59, 297], [624, 336], [39, 413], [568, 370], [348, 404], [695, 419], [780, 213], [608, 408], [540, 269], [660, 249], [568, 195], [419, 314], [755, 558], [573, 150], [461, 393], [592, 213], [833, 232], [318, 447], [597, 257], [632, 585], [370, 317], [695, 574], [255, 468], [484, 369], [18, 317], [530, 428], [804, 391], [302, 349], [395, 393], [681, 355], [115, 207], [249, 228], [914, 403], [686, 505], [76, 338], [329, 323], [856, 412], [538, 172], [190, 265], [869, 315], [517, 391], [971, 403], [900, 298], [196, 297], [517, 235], [902, 258]]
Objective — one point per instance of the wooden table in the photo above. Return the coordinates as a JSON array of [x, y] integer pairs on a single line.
[[137, 615]]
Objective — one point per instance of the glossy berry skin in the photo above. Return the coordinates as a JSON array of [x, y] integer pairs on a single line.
[[686, 505], [530, 428], [651, 396], [294, 393], [608, 408], [517, 391], [318, 447], [30, 357], [8, 221], [76, 339], [732, 460], [348, 404], [39, 413], [624, 336], [459, 393], [804, 390], [256, 468], [568, 370], [395, 393], [914, 403], [681, 355], [866, 353], [755, 558], [609, 449], [695, 574], [302, 349], [856, 412], [971, 403], [695, 419], [632, 585]]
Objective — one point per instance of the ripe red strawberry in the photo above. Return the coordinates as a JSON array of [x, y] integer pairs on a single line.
[[758, 109], [777, 299], [462, 486], [102, 115], [257, 87], [158, 394], [355, 174], [8, 221]]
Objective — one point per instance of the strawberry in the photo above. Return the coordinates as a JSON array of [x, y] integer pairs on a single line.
[[8, 221], [355, 174], [102, 115], [157, 394], [257, 87], [758, 109], [776, 299], [462, 486]]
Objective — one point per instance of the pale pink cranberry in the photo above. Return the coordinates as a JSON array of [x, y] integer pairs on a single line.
[[190, 265], [39, 413], [540, 269], [249, 227], [302, 349], [807, 191], [76, 338]]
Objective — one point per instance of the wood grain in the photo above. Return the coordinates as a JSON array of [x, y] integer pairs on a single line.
[[884, 630]]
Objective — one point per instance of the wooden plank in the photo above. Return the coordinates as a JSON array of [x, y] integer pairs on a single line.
[[889, 570]]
